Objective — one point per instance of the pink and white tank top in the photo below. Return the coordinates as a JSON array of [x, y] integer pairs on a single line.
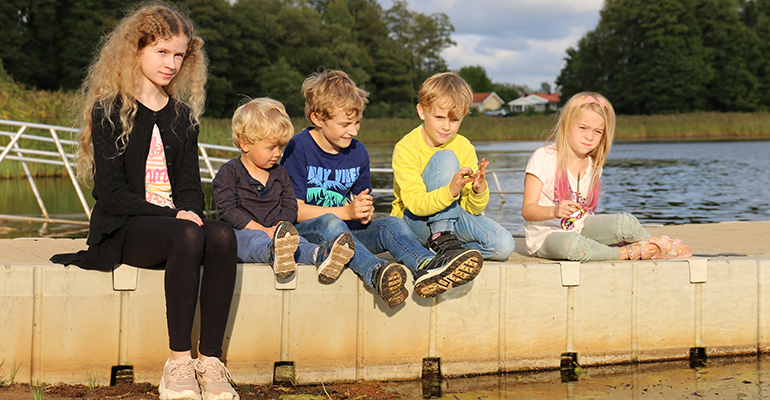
[[157, 188]]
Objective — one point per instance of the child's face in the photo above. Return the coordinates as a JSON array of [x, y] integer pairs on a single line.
[[262, 154], [160, 62], [586, 134], [439, 128], [337, 133]]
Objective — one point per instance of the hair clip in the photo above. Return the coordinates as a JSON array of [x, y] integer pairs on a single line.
[[588, 99]]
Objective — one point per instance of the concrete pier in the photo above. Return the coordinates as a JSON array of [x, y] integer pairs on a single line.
[[65, 324]]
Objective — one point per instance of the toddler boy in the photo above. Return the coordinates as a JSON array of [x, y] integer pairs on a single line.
[[255, 196]]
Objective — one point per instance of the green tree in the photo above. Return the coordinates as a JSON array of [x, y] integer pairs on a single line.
[[733, 49], [673, 56], [646, 57], [761, 28], [506, 91], [49, 43], [423, 37], [477, 78], [214, 21]]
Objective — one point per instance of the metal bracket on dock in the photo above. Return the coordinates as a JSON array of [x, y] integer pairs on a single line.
[[698, 270], [124, 277], [289, 283], [570, 273]]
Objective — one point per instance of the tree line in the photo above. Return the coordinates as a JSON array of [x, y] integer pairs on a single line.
[[256, 47], [675, 56]]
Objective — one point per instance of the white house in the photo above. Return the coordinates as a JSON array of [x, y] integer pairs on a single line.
[[536, 102], [486, 101]]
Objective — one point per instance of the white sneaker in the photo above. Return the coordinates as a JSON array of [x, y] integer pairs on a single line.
[[179, 380], [214, 379]]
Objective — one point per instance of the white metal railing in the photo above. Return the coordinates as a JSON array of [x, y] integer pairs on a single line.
[[12, 151]]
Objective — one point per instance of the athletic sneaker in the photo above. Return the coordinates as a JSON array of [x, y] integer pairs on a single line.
[[389, 279], [332, 256], [178, 381], [452, 266], [215, 379], [282, 248]]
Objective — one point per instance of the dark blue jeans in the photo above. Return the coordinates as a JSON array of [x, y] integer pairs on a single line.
[[383, 234]]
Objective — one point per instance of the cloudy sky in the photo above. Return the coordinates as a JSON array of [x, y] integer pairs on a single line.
[[516, 41]]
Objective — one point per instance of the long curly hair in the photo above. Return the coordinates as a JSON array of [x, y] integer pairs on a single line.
[[568, 117], [115, 76]]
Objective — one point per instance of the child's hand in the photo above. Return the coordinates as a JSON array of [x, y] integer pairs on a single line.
[[256, 226], [566, 208], [270, 230], [362, 207], [461, 178], [480, 181], [190, 216]]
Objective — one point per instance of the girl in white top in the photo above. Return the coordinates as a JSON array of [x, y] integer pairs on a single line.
[[561, 192]]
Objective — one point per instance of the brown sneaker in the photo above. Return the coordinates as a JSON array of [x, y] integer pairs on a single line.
[[178, 381], [282, 248], [215, 379], [389, 279]]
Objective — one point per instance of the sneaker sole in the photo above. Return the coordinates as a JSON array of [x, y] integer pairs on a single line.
[[392, 288], [223, 396], [166, 394], [285, 246], [342, 251], [461, 270]]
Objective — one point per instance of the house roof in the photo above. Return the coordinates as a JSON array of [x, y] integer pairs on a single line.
[[479, 98], [530, 100], [551, 97]]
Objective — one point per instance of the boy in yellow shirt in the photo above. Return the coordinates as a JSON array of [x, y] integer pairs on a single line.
[[440, 185]]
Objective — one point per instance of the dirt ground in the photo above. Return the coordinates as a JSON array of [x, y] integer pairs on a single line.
[[145, 391]]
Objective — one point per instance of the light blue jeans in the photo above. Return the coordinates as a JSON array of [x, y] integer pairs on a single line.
[[594, 242], [254, 245], [383, 234], [474, 231]]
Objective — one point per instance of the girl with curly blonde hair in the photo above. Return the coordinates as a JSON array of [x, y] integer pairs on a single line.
[[142, 99]]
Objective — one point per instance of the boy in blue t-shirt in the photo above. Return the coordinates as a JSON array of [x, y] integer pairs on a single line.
[[329, 170]]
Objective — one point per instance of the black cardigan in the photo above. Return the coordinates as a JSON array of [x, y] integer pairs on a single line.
[[119, 178]]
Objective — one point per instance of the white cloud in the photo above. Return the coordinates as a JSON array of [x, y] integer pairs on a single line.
[[516, 41]]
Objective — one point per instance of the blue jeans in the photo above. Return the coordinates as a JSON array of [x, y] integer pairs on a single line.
[[476, 232], [253, 247], [383, 234]]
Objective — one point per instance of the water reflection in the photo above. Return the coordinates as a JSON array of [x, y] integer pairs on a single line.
[[719, 378]]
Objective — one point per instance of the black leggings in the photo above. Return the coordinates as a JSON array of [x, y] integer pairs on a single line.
[[184, 246]]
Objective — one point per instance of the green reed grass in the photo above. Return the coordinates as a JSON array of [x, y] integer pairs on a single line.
[[37, 390]]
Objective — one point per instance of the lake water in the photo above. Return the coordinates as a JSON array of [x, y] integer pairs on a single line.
[[659, 182], [720, 378]]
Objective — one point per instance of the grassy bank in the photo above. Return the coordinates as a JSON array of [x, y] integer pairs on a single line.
[[706, 126], [22, 104]]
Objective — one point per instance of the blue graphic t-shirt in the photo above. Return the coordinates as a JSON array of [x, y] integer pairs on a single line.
[[324, 179]]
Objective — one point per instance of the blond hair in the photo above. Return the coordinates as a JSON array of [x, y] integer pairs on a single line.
[[115, 75], [448, 89], [568, 117], [262, 118], [327, 91]]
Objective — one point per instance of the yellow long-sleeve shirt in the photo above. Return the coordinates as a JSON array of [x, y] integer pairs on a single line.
[[410, 156]]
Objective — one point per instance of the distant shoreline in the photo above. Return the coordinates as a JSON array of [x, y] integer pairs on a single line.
[[660, 128]]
